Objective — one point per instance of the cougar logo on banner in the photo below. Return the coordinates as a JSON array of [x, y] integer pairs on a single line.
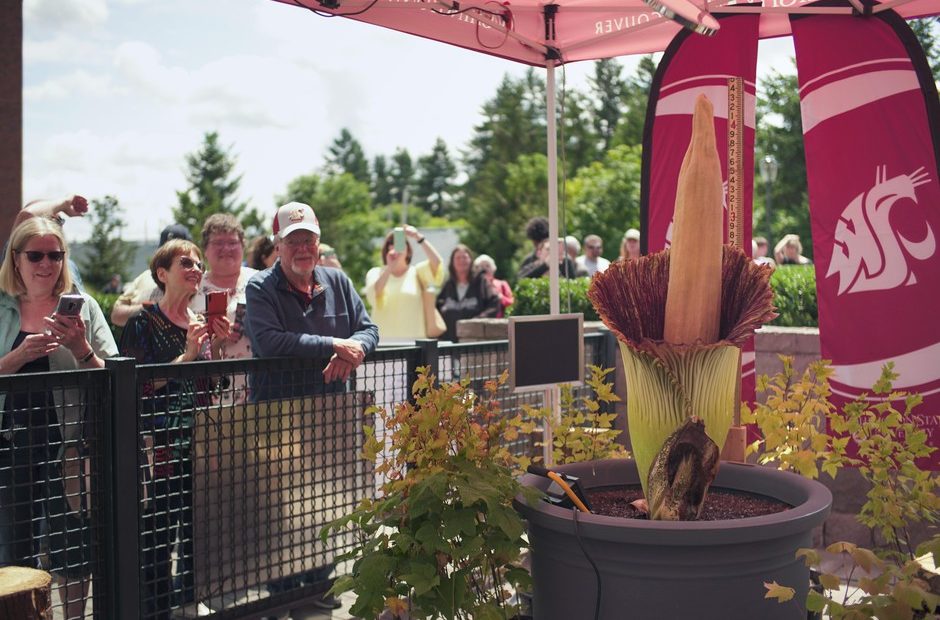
[[869, 255]]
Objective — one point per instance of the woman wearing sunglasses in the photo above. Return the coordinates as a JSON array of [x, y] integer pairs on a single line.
[[42, 434], [161, 333]]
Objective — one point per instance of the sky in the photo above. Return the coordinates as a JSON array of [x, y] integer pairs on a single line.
[[117, 92]]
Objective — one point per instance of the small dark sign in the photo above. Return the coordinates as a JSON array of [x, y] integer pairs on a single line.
[[545, 350]]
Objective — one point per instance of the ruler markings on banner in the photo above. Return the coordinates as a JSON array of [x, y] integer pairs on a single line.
[[736, 162]]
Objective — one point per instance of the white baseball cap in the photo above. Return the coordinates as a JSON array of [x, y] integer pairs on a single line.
[[295, 216]]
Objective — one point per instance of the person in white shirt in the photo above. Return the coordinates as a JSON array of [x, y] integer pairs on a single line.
[[591, 261]]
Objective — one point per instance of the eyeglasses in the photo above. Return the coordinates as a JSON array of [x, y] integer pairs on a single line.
[[301, 242], [35, 256], [594, 247], [188, 263]]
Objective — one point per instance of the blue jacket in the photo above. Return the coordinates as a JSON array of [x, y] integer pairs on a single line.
[[279, 324]]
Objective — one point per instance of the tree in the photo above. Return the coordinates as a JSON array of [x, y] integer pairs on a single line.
[[497, 221], [604, 198], [402, 175], [780, 134], [579, 138], [345, 154], [434, 188], [347, 221], [106, 252], [926, 31], [381, 182], [607, 89], [635, 100], [212, 189]]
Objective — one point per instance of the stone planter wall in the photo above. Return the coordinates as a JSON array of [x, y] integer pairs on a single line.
[[802, 343]]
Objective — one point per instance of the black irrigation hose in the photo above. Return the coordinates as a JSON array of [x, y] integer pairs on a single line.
[[597, 573]]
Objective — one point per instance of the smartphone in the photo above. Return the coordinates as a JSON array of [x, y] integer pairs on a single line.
[[399, 235], [216, 305], [70, 305]]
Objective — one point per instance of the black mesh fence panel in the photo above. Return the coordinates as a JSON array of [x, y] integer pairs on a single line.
[[53, 484]]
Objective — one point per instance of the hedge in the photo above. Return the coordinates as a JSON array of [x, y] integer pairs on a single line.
[[794, 295]]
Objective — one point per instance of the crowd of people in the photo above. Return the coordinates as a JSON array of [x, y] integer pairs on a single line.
[[288, 296]]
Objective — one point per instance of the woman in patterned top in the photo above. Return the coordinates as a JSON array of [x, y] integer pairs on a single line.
[[169, 332]]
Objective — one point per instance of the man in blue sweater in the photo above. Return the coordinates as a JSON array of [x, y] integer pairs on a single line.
[[300, 309]]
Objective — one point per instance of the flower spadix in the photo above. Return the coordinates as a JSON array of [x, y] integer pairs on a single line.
[[680, 316]]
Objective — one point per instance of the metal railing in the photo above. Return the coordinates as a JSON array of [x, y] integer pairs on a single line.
[[170, 493]]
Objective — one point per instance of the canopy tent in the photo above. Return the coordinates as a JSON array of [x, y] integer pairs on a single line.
[[545, 34]]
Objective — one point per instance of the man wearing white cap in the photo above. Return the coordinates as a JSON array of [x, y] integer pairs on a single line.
[[301, 309], [298, 308]]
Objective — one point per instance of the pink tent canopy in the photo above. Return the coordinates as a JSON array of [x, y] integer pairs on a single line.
[[535, 32], [547, 34]]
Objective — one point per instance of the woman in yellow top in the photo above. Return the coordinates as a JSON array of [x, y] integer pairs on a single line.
[[394, 291]]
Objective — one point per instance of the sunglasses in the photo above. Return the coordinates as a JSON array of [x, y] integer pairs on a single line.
[[595, 247], [188, 263], [35, 256]]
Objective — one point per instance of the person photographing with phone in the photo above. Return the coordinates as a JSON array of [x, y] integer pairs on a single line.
[[45, 326], [170, 332], [395, 290]]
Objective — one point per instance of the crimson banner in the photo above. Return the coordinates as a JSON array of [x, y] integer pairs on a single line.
[[691, 65], [870, 113]]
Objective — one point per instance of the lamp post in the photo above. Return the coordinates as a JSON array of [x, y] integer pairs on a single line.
[[768, 173]]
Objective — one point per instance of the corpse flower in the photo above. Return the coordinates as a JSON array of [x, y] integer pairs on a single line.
[[681, 316]]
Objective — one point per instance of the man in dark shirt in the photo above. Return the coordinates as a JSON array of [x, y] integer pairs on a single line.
[[301, 309]]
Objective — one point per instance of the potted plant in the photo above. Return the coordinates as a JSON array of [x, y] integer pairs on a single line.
[[442, 539], [680, 316], [803, 432]]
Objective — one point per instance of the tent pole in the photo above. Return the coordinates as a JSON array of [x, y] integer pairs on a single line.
[[554, 305]]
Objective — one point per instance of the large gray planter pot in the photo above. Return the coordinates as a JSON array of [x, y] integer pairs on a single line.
[[652, 570]]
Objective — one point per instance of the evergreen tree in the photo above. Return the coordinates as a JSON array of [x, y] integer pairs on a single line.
[[212, 188], [402, 176], [635, 99], [381, 182], [608, 89], [106, 253], [926, 31], [434, 188], [578, 137], [346, 155], [780, 133]]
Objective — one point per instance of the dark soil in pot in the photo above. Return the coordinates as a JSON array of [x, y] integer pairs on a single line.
[[719, 503]]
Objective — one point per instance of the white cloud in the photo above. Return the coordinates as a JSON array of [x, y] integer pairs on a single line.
[[79, 83], [60, 13], [140, 64], [63, 48]]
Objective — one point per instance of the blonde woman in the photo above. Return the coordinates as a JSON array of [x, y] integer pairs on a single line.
[[42, 439]]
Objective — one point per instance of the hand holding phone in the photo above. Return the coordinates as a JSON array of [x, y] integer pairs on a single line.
[[216, 306], [399, 237]]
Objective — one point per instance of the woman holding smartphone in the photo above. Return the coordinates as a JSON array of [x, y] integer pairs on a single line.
[[170, 332], [395, 290], [42, 438]]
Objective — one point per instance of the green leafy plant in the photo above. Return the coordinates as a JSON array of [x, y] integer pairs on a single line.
[[442, 540], [804, 432], [531, 297], [584, 432], [795, 296]]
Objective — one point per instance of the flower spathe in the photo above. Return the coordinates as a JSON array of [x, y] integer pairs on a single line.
[[668, 384]]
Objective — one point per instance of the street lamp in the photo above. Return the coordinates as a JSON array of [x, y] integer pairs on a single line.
[[768, 173]]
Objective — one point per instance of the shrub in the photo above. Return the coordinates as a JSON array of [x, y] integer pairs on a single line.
[[531, 297], [106, 301], [795, 296]]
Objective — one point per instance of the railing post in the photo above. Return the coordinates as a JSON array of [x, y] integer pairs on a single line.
[[121, 434], [427, 356]]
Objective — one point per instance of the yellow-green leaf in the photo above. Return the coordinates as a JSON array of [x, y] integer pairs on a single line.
[[830, 581], [779, 592]]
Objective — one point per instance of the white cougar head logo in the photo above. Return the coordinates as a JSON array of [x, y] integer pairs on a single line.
[[868, 254]]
